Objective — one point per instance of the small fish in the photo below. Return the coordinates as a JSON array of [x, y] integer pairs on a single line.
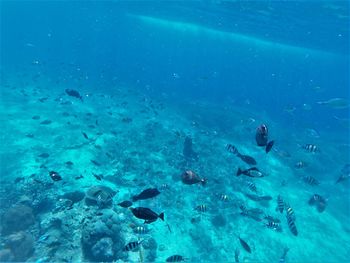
[[345, 174], [125, 204], [291, 225], [141, 230], [46, 122], [132, 246], [79, 177], [44, 155], [74, 93], [319, 201], [18, 179], [146, 194], [95, 162], [280, 204], [335, 103], [98, 177], [147, 214], [284, 255], [252, 187], [269, 146], [224, 198], [36, 117], [258, 198], [245, 158], [311, 180], [85, 136], [237, 253], [274, 225], [310, 148], [272, 219], [300, 165], [55, 176], [201, 208], [175, 258], [244, 245], [69, 163], [290, 211], [251, 172]]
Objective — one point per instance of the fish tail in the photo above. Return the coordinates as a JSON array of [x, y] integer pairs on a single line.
[[161, 216], [239, 172]]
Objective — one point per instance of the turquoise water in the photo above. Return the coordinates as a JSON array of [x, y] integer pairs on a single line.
[[161, 89]]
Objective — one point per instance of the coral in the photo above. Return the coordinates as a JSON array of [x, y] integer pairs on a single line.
[[99, 195], [21, 245], [19, 217], [75, 196], [6, 255], [101, 239]]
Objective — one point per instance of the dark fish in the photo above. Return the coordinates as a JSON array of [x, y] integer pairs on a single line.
[[95, 162], [74, 93], [251, 172], [175, 258], [44, 155], [280, 204], [98, 177], [319, 201], [258, 198], [55, 176], [79, 177], [237, 253], [269, 146], [132, 246], [252, 187], [85, 136], [125, 204], [147, 214], [284, 255], [190, 177], [345, 174], [311, 180], [30, 135], [244, 245], [245, 158], [274, 225], [146, 194], [36, 117], [18, 179], [291, 225], [289, 211], [69, 163], [46, 122]]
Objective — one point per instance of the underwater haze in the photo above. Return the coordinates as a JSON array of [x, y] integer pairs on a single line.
[[174, 131]]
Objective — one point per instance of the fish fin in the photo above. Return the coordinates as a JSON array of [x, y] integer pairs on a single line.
[[269, 146], [239, 172], [161, 216], [253, 169]]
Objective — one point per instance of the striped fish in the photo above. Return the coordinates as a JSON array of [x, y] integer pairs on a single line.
[[201, 208], [280, 204], [274, 225], [291, 225], [141, 230], [132, 245], [290, 212], [224, 198], [310, 148], [252, 187], [311, 180], [175, 258]]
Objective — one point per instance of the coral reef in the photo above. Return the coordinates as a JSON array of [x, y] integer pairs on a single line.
[[16, 218]]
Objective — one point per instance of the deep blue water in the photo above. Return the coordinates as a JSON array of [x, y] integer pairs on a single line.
[[212, 65]]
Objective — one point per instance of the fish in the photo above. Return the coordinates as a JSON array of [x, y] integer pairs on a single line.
[[289, 211], [189, 177], [245, 158], [44, 155], [74, 93], [46, 122], [335, 103], [18, 179], [274, 225], [146, 194], [319, 201], [132, 245], [244, 245], [312, 133], [98, 176], [79, 177], [201, 208], [291, 225], [95, 162], [141, 230], [36, 117], [300, 165], [311, 180], [258, 198], [251, 172], [272, 219], [253, 213], [269, 146], [280, 204], [85, 136], [55, 176], [175, 258], [310, 148], [224, 198], [252, 187], [147, 214], [284, 255], [125, 204], [345, 174], [237, 253]]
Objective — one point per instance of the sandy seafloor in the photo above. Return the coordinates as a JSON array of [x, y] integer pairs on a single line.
[[146, 151]]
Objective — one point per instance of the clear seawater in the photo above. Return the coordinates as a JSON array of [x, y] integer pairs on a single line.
[[151, 74]]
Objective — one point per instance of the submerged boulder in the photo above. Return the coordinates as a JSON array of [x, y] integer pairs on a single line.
[[21, 245], [18, 217], [99, 195]]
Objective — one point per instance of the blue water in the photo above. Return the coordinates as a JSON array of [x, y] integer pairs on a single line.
[[150, 74]]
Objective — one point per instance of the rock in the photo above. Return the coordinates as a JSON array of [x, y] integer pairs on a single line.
[[103, 249], [21, 245], [6, 255], [99, 195], [18, 217]]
